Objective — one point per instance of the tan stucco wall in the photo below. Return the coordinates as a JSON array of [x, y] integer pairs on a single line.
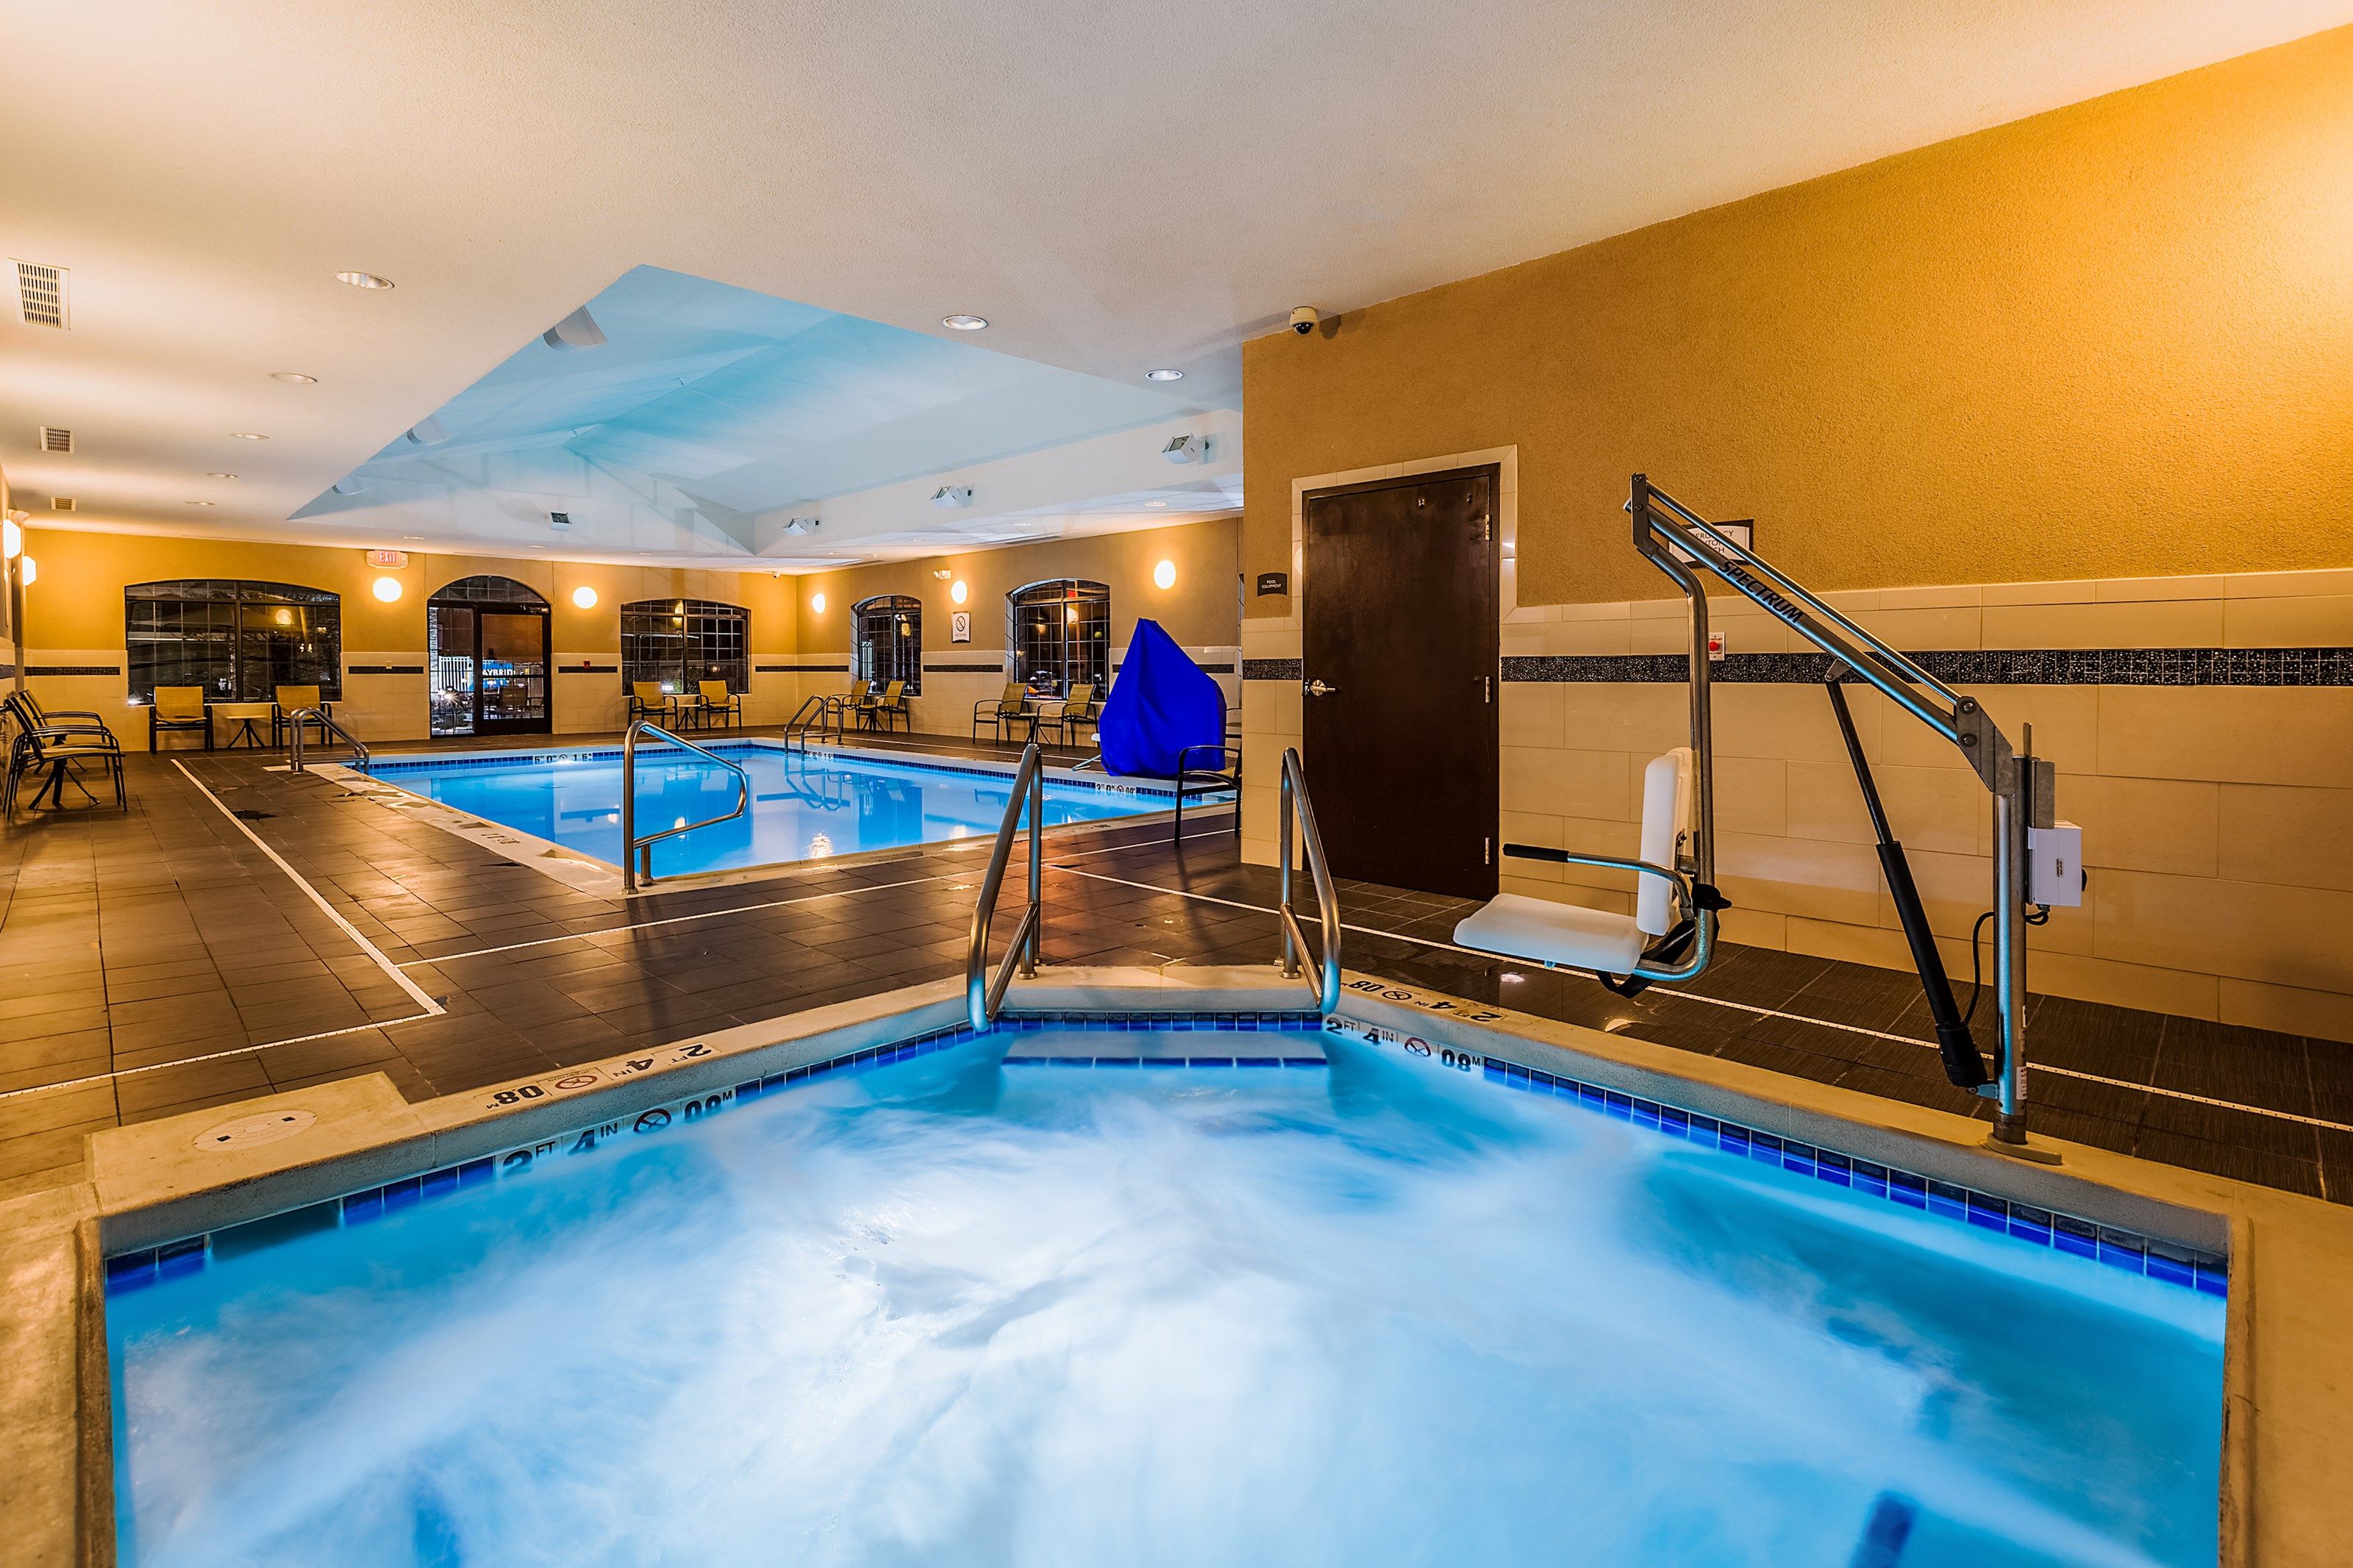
[[2113, 340]]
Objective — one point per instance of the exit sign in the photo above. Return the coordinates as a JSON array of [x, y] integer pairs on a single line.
[[395, 559]]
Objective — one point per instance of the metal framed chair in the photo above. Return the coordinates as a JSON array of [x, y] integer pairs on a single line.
[[892, 704], [62, 751], [712, 700], [288, 700], [1080, 708], [1010, 708], [178, 708], [649, 701]]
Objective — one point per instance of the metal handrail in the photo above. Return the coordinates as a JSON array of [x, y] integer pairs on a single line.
[[1327, 899], [1677, 541], [327, 726], [984, 994], [635, 873], [802, 721]]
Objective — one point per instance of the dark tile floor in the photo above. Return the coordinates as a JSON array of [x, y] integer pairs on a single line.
[[160, 959]]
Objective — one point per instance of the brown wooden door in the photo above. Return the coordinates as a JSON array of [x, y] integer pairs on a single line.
[[1397, 722]]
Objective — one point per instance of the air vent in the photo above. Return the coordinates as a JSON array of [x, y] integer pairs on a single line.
[[61, 503], [559, 519], [41, 294], [56, 440]]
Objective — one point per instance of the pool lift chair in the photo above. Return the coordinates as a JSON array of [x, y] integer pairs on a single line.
[[1670, 935]]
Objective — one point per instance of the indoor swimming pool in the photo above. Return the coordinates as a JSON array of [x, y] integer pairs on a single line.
[[1082, 1295], [805, 806]]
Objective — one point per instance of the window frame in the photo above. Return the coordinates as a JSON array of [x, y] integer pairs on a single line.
[[906, 647], [702, 627], [237, 621], [1050, 666]]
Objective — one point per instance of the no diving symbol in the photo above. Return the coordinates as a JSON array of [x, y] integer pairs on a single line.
[[1420, 1047], [576, 1080]]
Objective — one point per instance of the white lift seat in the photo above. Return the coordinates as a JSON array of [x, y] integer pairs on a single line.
[[1575, 937]]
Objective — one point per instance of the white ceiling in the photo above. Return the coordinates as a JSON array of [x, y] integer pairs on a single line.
[[1115, 185]]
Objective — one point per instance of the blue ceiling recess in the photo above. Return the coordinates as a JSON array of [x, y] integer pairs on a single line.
[[717, 401]]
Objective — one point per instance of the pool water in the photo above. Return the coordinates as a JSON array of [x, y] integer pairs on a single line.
[[804, 806], [950, 1311]]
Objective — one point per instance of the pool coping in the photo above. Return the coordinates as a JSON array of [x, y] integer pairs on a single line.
[[584, 873], [2288, 1422]]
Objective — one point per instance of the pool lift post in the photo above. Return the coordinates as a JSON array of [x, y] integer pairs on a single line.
[[1679, 542]]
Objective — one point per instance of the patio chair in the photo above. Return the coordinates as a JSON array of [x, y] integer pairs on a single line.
[[1010, 708], [713, 701], [63, 752], [178, 708], [892, 704], [1080, 708], [649, 701], [287, 700], [60, 718], [859, 703]]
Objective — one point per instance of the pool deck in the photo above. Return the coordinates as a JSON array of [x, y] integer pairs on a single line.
[[2288, 1378], [168, 958]]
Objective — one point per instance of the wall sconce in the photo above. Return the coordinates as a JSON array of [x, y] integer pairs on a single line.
[[387, 589], [1163, 577], [584, 596], [957, 592], [12, 540], [817, 603], [27, 574]]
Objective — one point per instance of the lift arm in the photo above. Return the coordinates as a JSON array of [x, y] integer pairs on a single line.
[[1681, 543]]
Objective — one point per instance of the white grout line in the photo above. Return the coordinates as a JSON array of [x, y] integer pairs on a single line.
[[2032, 1067], [415, 992], [213, 1056], [671, 921], [772, 903]]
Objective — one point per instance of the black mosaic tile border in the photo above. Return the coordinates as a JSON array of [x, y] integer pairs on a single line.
[[995, 668], [587, 669], [1281, 670], [1965, 666], [801, 669], [389, 668]]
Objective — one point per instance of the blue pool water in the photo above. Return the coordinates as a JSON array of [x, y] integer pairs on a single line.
[[804, 806], [947, 1311]]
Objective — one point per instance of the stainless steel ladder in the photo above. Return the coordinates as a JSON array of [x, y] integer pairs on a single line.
[[327, 726], [984, 989], [638, 854]]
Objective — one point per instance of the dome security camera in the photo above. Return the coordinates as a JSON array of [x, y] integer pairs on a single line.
[[1305, 319]]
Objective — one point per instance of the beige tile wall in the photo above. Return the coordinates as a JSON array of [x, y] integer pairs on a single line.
[[2218, 821]]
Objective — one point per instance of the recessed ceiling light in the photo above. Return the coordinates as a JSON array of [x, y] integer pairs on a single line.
[[1156, 503], [1164, 374], [964, 323], [246, 436], [414, 538], [296, 376], [216, 473], [363, 279], [204, 503]]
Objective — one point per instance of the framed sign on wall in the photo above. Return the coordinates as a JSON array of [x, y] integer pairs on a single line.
[[960, 626]]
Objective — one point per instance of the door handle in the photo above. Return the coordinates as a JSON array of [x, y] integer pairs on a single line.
[[1317, 689]]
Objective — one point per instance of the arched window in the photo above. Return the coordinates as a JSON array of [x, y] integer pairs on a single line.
[[682, 641], [887, 640], [240, 641], [1060, 631]]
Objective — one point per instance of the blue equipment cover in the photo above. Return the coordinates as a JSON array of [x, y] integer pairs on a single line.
[[1161, 703]]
